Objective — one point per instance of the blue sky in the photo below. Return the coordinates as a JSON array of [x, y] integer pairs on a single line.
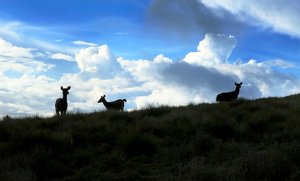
[[151, 52]]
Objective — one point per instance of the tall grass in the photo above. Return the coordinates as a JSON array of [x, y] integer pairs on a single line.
[[241, 140]]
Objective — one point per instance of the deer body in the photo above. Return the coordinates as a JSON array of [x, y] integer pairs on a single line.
[[61, 104], [114, 105], [229, 96]]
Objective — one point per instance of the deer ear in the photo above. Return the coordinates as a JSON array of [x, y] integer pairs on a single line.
[[69, 88], [61, 87], [241, 83], [104, 95]]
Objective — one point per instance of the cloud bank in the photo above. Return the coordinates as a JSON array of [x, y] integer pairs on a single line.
[[197, 78], [201, 75]]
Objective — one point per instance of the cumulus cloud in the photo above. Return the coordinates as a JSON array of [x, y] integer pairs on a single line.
[[27, 95], [281, 16], [21, 91], [98, 60], [61, 56], [176, 83], [260, 78], [214, 49]]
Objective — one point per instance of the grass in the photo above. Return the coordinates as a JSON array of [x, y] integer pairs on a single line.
[[241, 140]]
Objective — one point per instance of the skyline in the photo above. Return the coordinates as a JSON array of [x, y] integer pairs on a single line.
[[151, 52]]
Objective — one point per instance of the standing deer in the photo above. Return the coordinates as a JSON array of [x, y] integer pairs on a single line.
[[61, 104], [229, 96], [114, 105]]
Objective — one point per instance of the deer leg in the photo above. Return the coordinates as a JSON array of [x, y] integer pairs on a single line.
[[57, 112]]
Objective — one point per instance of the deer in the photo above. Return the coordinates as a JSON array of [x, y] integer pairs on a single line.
[[114, 105], [229, 96], [61, 104]]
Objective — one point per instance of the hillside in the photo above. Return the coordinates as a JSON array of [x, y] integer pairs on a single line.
[[241, 140]]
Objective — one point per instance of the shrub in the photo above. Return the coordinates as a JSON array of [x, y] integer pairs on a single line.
[[222, 130], [156, 111], [115, 116], [137, 144], [265, 165], [203, 144]]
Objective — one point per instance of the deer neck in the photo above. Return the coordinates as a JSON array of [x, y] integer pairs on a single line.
[[65, 97], [105, 103], [237, 90]]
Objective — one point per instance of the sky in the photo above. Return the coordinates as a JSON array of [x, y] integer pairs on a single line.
[[150, 52]]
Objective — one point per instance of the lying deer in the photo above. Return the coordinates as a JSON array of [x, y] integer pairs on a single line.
[[114, 105], [229, 96]]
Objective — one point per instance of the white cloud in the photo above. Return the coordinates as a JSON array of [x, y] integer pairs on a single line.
[[23, 34], [168, 95], [162, 59], [141, 70], [23, 65], [61, 56], [98, 60], [84, 43], [279, 63], [281, 16], [21, 90], [214, 49], [7, 49], [27, 95], [261, 80], [42, 44], [189, 83], [18, 59]]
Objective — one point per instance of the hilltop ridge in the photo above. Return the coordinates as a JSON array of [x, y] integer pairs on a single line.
[[240, 140]]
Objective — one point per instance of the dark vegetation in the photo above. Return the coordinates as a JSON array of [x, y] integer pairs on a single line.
[[240, 140]]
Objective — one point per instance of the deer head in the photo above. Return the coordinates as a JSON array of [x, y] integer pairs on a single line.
[[65, 90], [238, 85], [102, 99]]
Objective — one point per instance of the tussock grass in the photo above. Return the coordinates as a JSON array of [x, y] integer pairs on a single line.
[[241, 140]]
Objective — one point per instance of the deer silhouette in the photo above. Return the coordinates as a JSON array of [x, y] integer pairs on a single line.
[[61, 104], [229, 96], [114, 105]]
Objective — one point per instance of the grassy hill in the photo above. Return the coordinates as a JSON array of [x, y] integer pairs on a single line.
[[241, 140]]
